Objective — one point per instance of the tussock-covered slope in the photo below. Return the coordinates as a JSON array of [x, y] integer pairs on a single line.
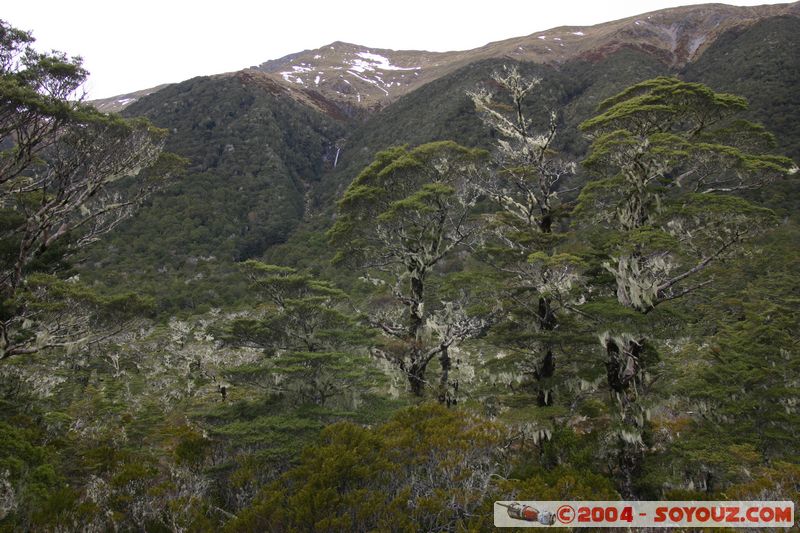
[[371, 78]]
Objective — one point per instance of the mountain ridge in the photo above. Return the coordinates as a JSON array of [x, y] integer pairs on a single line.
[[346, 80]]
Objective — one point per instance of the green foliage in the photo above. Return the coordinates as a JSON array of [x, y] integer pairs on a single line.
[[192, 448], [401, 475], [751, 373], [655, 133], [406, 188], [312, 346], [31, 485], [426, 469], [663, 100], [658, 149]]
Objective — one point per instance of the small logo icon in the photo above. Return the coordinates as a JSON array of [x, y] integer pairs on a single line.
[[527, 513]]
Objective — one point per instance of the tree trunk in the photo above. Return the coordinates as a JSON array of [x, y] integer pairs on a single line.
[[623, 374], [416, 377], [636, 212], [544, 395], [416, 321], [629, 461], [623, 366], [547, 319], [547, 366], [444, 394], [416, 307], [546, 222]]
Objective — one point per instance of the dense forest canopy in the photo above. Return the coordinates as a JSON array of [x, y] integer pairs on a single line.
[[517, 282]]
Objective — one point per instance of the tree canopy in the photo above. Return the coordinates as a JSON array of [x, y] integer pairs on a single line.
[[66, 179], [398, 219]]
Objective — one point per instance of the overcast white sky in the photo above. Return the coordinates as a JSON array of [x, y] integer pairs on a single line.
[[142, 43]]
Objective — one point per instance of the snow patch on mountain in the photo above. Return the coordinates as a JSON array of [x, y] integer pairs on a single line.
[[293, 75], [370, 61], [373, 82]]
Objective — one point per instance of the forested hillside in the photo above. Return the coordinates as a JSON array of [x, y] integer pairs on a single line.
[[255, 157], [244, 307]]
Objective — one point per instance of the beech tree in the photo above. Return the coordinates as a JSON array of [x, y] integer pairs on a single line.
[[66, 178], [528, 183], [668, 156], [530, 175], [404, 214]]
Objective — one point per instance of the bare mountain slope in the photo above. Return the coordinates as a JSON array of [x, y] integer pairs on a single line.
[[350, 79], [370, 77]]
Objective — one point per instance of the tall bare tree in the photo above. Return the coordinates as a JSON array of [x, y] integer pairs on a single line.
[[528, 183]]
